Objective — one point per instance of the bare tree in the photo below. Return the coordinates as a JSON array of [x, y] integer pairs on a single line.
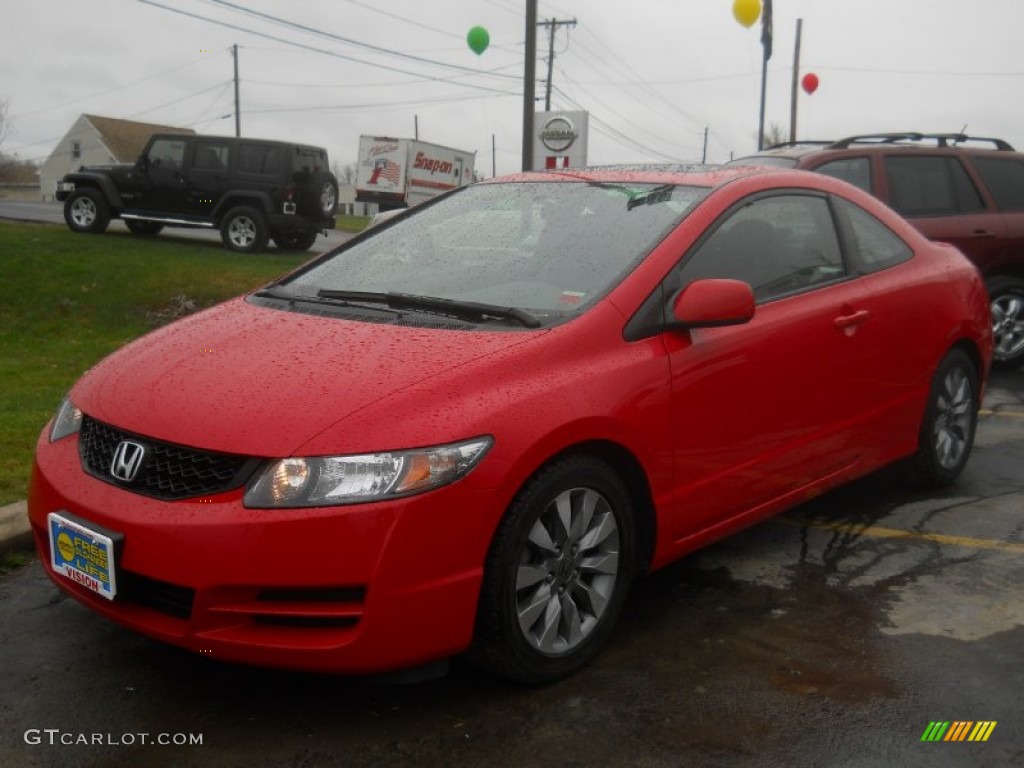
[[4, 125], [345, 174], [774, 135]]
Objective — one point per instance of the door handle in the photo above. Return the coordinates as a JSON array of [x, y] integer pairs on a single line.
[[849, 323], [983, 234]]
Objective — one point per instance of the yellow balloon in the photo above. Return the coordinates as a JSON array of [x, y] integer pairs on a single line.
[[746, 11]]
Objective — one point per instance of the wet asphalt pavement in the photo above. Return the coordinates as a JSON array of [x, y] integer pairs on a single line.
[[831, 636]]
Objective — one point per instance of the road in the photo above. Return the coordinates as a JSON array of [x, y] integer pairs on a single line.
[[17, 210], [832, 636]]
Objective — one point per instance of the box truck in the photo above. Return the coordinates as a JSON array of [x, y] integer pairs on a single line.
[[399, 173]]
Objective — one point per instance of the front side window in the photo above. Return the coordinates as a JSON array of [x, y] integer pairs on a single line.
[[925, 185], [778, 245], [854, 170], [167, 153], [550, 247]]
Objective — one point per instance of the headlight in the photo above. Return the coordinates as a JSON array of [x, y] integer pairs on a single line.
[[66, 422], [325, 481]]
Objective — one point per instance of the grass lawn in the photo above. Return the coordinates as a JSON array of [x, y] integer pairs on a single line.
[[68, 300]]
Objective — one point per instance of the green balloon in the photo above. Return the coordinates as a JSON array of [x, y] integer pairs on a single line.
[[478, 39]]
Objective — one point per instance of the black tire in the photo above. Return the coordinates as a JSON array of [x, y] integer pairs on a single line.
[[1006, 298], [244, 230], [295, 241], [143, 228], [87, 211], [950, 420], [550, 597]]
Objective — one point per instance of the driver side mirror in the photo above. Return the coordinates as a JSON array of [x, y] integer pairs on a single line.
[[142, 163], [714, 302]]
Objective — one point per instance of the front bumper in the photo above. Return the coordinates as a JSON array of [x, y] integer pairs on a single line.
[[358, 589]]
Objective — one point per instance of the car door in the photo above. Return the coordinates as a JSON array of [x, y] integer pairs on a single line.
[[937, 195], [769, 409], [208, 176], [162, 187]]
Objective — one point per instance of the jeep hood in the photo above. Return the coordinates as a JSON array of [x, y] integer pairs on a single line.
[[261, 382]]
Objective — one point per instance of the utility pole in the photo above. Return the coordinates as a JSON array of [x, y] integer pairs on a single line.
[[529, 84], [796, 79], [238, 115], [766, 43], [552, 25]]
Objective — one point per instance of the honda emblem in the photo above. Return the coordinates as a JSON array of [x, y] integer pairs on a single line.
[[127, 460]]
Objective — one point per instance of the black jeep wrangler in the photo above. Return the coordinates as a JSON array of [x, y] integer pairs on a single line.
[[251, 190]]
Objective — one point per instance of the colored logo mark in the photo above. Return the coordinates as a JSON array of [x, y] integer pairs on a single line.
[[958, 730]]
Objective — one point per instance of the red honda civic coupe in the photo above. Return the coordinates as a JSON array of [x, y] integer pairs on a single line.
[[471, 428]]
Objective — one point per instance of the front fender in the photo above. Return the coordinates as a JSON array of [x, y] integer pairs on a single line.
[[96, 181]]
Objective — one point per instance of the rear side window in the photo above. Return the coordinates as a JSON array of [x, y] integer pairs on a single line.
[[1005, 180], [259, 158], [212, 155], [877, 247], [854, 170], [922, 185]]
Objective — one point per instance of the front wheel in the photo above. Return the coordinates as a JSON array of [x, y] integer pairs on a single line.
[[1006, 298], [558, 572], [86, 210], [244, 230], [950, 420]]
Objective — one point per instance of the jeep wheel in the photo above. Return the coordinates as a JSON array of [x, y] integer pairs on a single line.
[[87, 211], [144, 228], [244, 230], [295, 241], [328, 199], [1006, 294]]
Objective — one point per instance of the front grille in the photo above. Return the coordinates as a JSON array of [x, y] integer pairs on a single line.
[[167, 471]]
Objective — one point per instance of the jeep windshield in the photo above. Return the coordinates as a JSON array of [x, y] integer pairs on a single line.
[[550, 249]]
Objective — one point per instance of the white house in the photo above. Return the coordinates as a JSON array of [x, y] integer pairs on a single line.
[[95, 140]]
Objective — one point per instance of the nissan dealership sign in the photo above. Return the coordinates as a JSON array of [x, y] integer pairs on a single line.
[[562, 140]]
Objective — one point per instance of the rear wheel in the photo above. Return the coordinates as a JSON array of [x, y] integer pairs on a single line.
[[950, 420], [1006, 297], [87, 211], [295, 241], [557, 574], [244, 230], [144, 228]]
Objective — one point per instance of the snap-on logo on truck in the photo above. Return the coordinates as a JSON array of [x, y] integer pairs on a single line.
[[425, 163]]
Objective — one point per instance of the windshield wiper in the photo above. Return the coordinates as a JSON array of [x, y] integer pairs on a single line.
[[469, 310], [272, 293]]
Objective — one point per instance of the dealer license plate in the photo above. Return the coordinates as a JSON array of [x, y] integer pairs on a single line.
[[83, 554]]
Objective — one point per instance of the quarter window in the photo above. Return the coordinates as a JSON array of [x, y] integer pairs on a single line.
[[779, 245], [259, 158], [922, 185], [877, 247]]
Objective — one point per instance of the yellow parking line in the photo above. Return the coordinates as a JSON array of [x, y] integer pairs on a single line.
[[989, 412], [895, 533]]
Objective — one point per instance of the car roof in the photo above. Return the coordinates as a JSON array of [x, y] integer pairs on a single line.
[[904, 141]]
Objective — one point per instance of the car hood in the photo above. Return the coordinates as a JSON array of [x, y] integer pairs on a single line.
[[261, 382]]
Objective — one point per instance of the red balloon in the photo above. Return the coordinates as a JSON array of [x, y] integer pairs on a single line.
[[810, 82]]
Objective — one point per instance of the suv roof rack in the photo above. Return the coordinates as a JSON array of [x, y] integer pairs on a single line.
[[942, 140]]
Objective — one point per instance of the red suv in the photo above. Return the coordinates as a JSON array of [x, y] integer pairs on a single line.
[[970, 196]]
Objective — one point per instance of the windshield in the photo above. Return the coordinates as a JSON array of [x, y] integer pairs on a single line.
[[549, 248]]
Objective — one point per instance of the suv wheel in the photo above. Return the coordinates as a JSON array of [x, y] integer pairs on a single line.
[[144, 228], [86, 211], [1006, 295], [295, 241], [244, 230]]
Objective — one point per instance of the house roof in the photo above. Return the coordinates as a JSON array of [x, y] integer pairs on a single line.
[[127, 138]]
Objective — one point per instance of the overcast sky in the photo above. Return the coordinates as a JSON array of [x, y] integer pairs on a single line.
[[652, 73]]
